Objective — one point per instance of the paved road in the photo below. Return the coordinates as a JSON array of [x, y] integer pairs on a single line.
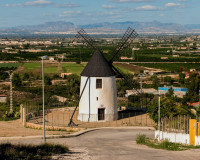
[[116, 144]]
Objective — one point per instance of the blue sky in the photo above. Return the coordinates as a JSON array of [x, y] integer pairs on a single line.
[[30, 12]]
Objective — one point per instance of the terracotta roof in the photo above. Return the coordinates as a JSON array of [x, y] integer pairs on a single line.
[[98, 66]]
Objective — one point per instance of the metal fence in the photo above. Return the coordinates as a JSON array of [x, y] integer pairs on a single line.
[[60, 117], [178, 124]]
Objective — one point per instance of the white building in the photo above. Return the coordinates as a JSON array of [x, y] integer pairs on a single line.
[[99, 97]]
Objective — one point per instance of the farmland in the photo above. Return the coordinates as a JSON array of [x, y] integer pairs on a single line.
[[172, 67], [9, 65], [74, 68], [53, 68]]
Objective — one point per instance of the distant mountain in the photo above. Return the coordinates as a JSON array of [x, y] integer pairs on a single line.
[[61, 27]]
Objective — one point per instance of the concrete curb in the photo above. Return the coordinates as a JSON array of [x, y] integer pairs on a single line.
[[71, 135]]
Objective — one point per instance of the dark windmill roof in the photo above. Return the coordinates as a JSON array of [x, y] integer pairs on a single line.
[[98, 66]]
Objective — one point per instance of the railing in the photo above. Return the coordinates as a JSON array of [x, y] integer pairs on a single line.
[[60, 117]]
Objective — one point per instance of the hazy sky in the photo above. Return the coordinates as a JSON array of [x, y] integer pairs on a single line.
[[29, 12]]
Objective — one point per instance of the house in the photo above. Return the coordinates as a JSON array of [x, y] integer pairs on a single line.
[[65, 74], [3, 98]]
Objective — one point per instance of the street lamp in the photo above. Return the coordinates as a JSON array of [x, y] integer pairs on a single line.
[[44, 138]]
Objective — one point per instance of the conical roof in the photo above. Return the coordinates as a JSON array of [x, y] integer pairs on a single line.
[[98, 66]]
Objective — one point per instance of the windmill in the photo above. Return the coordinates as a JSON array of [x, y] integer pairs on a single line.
[[98, 95]]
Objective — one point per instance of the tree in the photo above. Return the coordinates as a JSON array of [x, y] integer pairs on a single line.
[[129, 84], [155, 82], [170, 92], [181, 78], [168, 79], [168, 108], [26, 76], [193, 85], [16, 81], [3, 75], [47, 80]]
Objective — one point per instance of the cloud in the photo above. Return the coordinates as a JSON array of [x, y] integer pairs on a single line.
[[38, 3], [182, 0], [41, 3], [31, 3], [161, 15], [70, 14], [67, 5], [108, 6], [147, 8], [172, 4], [124, 1]]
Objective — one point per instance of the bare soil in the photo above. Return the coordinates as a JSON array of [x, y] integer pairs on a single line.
[[131, 67], [15, 128]]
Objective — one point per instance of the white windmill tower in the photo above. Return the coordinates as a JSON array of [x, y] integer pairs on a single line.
[[98, 94], [99, 99]]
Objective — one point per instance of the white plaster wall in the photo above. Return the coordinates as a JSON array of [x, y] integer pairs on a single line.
[[173, 137], [107, 98], [197, 140]]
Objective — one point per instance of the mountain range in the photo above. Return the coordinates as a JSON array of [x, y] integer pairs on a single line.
[[62, 27]]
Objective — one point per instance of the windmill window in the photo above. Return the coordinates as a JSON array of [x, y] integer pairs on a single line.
[[98, 83]]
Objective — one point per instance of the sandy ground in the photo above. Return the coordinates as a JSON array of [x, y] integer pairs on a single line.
[[15, 128]]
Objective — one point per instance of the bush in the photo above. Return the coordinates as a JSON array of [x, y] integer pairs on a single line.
[[19, 152], [141, 139]]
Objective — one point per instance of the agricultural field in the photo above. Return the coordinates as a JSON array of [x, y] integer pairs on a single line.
[[29, 67], [128, 68], [172, 67], [49, 68], [73, 68], [9, 65]]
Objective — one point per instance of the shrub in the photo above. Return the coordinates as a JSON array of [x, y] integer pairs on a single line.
[[141, 139], [18, 152]]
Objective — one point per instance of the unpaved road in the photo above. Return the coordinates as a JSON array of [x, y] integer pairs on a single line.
[[115, 144]]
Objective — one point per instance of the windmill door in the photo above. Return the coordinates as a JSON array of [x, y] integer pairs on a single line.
[[101, 114]]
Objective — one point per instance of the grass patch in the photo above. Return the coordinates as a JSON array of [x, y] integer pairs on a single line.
[[32, 152], [166, 145]]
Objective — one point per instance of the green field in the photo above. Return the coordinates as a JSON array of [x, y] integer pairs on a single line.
[[50, 68], [173, 67], [123, 70], [31, 66], [73, 68], [9, 65]]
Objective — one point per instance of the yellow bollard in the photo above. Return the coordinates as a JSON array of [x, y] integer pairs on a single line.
[[192, 131]]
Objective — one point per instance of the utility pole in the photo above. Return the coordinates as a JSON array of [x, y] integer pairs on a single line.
[[11, 91], [44, 138], [141, 104], [159, 114], [133, 53]]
